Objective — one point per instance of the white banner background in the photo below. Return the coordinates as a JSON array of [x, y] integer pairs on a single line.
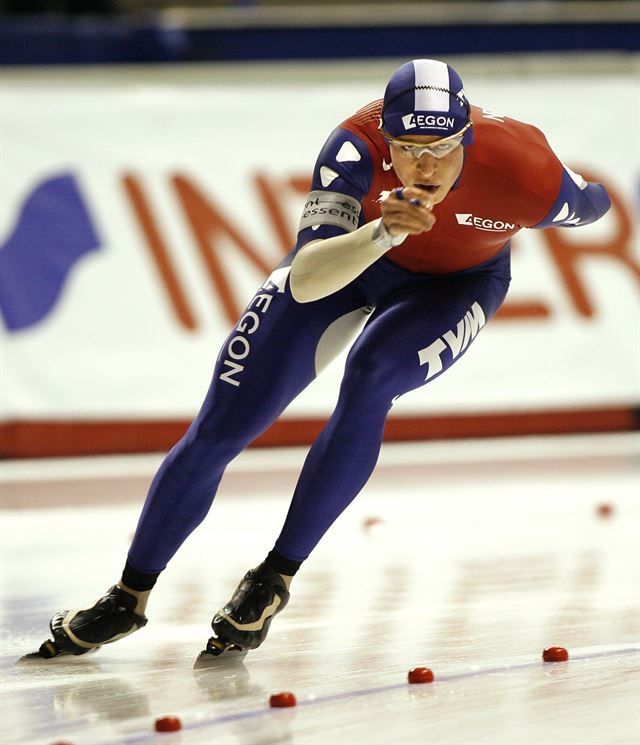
[[113, 347]]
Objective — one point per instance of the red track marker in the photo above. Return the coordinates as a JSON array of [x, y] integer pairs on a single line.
[[168, 724], [282, 699], [420, 675], [555, 654]]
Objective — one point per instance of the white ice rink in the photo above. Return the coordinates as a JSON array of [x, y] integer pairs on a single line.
[[467, 558]]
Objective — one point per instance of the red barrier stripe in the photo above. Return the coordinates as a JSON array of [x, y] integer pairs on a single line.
[[30, 439]]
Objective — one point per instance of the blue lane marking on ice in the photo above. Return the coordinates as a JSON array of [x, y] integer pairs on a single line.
[[264, 711]]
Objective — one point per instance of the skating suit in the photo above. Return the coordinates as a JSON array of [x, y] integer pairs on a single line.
[[415, 311]]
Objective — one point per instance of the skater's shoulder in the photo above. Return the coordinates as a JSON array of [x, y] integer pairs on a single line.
[[517, 151]]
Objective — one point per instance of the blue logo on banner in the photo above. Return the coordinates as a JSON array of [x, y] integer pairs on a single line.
[[54, 230]]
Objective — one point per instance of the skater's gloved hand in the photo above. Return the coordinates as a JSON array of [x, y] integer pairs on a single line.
[[406, 210]]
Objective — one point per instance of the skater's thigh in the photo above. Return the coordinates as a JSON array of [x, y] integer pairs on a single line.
[[419, 331], [277, 348]]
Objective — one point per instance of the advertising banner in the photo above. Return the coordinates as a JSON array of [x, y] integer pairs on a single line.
[[138, 219]]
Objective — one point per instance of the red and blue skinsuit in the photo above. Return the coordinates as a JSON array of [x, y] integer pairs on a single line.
[[422, 305]]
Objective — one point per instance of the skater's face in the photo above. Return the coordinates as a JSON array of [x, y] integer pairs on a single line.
[[434, 175]]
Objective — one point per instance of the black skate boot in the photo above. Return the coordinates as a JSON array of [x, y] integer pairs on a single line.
[[244, 621], [84, 629]]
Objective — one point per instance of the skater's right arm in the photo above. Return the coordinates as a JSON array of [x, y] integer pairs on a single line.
[[323, 267], [334, 244]]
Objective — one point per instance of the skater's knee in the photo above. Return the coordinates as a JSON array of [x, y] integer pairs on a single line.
[[370, 371], [208, 442]]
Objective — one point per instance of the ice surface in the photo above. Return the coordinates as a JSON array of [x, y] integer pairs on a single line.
[[468, 558]]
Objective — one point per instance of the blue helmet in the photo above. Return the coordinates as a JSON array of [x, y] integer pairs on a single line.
[[425, 97]]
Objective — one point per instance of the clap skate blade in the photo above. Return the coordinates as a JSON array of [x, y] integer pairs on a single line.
[[49, 652], [218, 653]]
